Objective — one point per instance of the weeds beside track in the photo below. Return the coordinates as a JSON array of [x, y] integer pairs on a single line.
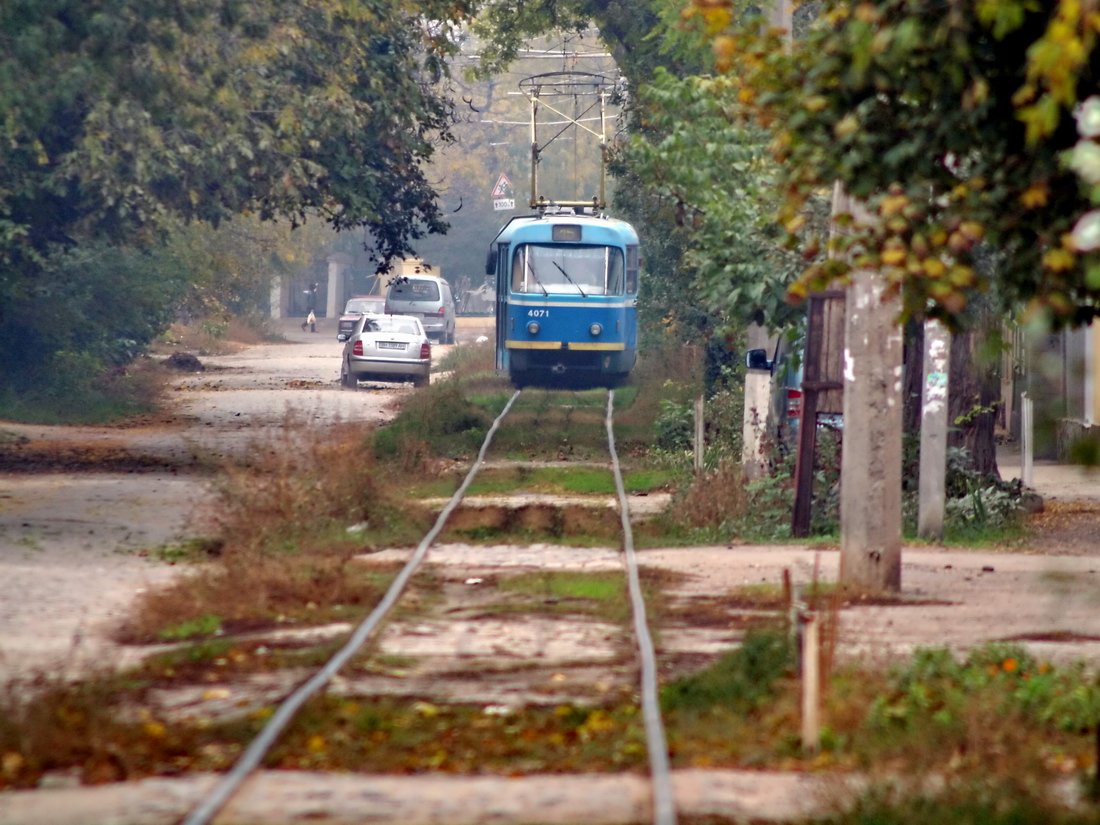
[[663, 804]]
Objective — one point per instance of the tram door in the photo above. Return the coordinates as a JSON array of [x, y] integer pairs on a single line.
[[499, 263]]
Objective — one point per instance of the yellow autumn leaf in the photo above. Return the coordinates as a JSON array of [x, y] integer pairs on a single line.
[[934, 268], [895, 256], [846, 126], [1035, 195], [11, 763], [316, 743], [1057, 260], [893, 205], [866, 13], [723, 47], [154, 730], [716, 18]]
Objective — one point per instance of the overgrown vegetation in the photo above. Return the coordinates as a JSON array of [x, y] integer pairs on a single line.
[[288, 519], [998, 727]]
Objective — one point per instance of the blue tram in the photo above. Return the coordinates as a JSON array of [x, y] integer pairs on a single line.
[[567, 296]]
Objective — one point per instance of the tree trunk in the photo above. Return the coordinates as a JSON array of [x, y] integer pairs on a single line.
[[974, 397]]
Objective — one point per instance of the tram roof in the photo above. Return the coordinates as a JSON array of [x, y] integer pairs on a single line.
[[614, 226]]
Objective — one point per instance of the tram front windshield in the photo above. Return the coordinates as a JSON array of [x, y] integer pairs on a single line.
[[570, 270]]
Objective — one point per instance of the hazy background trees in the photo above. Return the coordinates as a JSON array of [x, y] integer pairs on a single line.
[[125, 121]]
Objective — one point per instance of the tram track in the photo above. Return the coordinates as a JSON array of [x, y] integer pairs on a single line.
[[663, 807]]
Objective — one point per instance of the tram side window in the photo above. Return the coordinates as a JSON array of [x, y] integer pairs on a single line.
[[633, 264], [517, 273], [614, 272]]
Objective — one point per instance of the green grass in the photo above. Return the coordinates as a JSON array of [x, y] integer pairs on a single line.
[[601, 587], [206, 625], [600, 595], [574, 480]]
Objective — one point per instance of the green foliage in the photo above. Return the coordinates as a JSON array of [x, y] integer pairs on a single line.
[[994, 802], [674, 428], [935, 689], [635, 32], [697, 154], [208, 113], [206, 625], [739, 682], [441, 419], [231, 268], [103, 302], [977, 502], [600, 587], [899, 102]]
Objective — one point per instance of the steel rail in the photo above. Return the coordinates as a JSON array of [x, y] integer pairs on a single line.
[[664, 804], [664, 809], [257, 750]]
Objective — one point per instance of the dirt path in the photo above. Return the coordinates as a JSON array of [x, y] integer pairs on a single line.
[[82, 509]]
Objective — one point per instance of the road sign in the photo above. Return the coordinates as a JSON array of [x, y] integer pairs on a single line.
[[504, 196]]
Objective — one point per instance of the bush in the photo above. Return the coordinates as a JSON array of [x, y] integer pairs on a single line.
[[738, 682]]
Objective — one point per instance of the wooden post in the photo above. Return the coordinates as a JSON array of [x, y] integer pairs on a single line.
[[1027, 440], [822, 389], [811, 684], [933, 431], [699, 435]]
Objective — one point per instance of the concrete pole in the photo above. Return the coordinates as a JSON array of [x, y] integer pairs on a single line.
[[338, 264], [758, 401], [933, 431], [277, 297], [780, 15], [870, 470]]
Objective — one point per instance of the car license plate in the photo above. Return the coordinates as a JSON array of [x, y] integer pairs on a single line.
[[390, 345]]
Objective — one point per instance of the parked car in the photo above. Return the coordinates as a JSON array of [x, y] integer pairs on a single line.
[[426, 297], [356, 307], [387, 348]]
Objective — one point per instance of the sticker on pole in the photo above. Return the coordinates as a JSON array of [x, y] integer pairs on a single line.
[[504, 197]]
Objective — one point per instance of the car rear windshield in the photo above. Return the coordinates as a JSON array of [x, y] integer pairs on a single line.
[[414, 290], [389, 323], [365, 305]]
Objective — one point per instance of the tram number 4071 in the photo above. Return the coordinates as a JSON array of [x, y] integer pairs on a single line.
[[538, 313]]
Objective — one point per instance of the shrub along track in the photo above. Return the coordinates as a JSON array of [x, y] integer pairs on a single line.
[[662, 802]]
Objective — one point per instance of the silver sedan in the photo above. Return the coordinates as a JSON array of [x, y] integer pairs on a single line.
[[387, 348]]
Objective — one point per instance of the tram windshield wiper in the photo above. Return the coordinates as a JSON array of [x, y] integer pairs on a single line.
[[566, 274], [538, 283]]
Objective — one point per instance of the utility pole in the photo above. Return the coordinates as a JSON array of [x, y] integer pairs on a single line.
[[758, 384], [870, 469], [933, 431]]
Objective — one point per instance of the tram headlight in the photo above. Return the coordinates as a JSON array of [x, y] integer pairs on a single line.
[[533, 327], [594, 330]]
